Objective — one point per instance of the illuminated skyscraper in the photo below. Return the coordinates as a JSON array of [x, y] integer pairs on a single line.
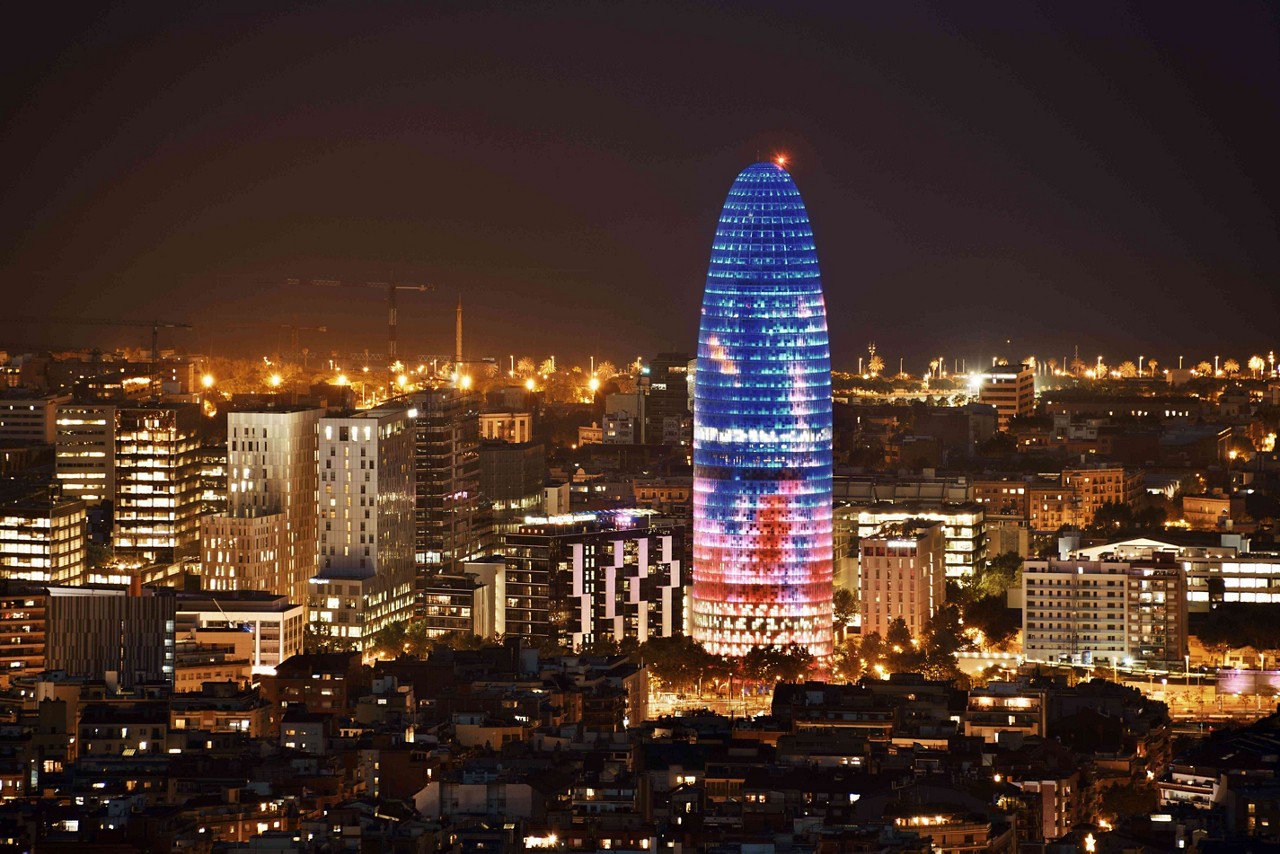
[[762, 428]]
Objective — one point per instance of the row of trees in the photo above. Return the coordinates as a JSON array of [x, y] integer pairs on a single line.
[[684, 665]]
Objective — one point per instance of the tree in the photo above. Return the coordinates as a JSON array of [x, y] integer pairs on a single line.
[[1256, 364], [1204, 369], [388, 641], [1126, 801], [871, 651], [991, 616], [875, 365], [996, 575], [846, 606], [1151, 366], [524, 367], [846, 659], [898, 635], [1128, 370], [1231, 367]]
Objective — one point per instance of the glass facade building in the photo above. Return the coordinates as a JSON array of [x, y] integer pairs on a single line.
[[762, 553]]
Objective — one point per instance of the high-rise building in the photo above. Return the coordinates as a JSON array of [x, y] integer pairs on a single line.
[[267, 540], [366, 576], [85, 451], [452, 521], [762, 572], [511, 480], [157, 506], [903, 575], [1011, 389]]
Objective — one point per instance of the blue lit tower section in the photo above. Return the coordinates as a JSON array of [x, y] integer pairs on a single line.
[[762, 428]]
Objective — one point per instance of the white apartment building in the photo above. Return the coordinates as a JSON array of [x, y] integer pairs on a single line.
[[1093, 612], [366, 576]]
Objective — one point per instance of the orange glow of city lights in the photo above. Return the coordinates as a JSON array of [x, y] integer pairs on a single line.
[[594, 384], [342, 379], [207, 381], [529, 384], [275, 380], [402, 381]]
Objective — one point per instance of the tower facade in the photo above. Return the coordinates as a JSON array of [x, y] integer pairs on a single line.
[[762, 547]]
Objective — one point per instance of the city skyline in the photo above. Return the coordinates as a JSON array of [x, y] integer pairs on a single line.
[[1110, 174]]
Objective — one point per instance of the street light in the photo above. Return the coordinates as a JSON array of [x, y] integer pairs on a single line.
[[207, 381]]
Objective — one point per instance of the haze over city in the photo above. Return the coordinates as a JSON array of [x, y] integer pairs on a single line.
[[1058, 175]]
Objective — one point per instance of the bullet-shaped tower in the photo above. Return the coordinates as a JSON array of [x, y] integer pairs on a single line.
[[762, 557]]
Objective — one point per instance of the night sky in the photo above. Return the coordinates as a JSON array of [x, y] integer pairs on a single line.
[[1057, 173]]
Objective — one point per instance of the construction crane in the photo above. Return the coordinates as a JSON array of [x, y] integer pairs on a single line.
[[155, 325], [391, 287]]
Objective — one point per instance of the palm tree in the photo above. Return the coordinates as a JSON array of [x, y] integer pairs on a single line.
[[1128, 370], [1231, 367], [547, 368], [1204, 369], [606, 370], [1151, 363], [524, 367], [1256, 364], [875, 366]]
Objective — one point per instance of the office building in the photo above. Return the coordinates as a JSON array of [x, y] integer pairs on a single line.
[[366, 577], [1011, 389], [1104, 611], [667, 406], [29, 418], [157, 505], [264, 628], [102, 632], [452, 521], [605, 576], [267, 539], [43, 537], [963, 529], [903, 575], [85, 451], [514, 427], [512, 478], [762, 552]]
